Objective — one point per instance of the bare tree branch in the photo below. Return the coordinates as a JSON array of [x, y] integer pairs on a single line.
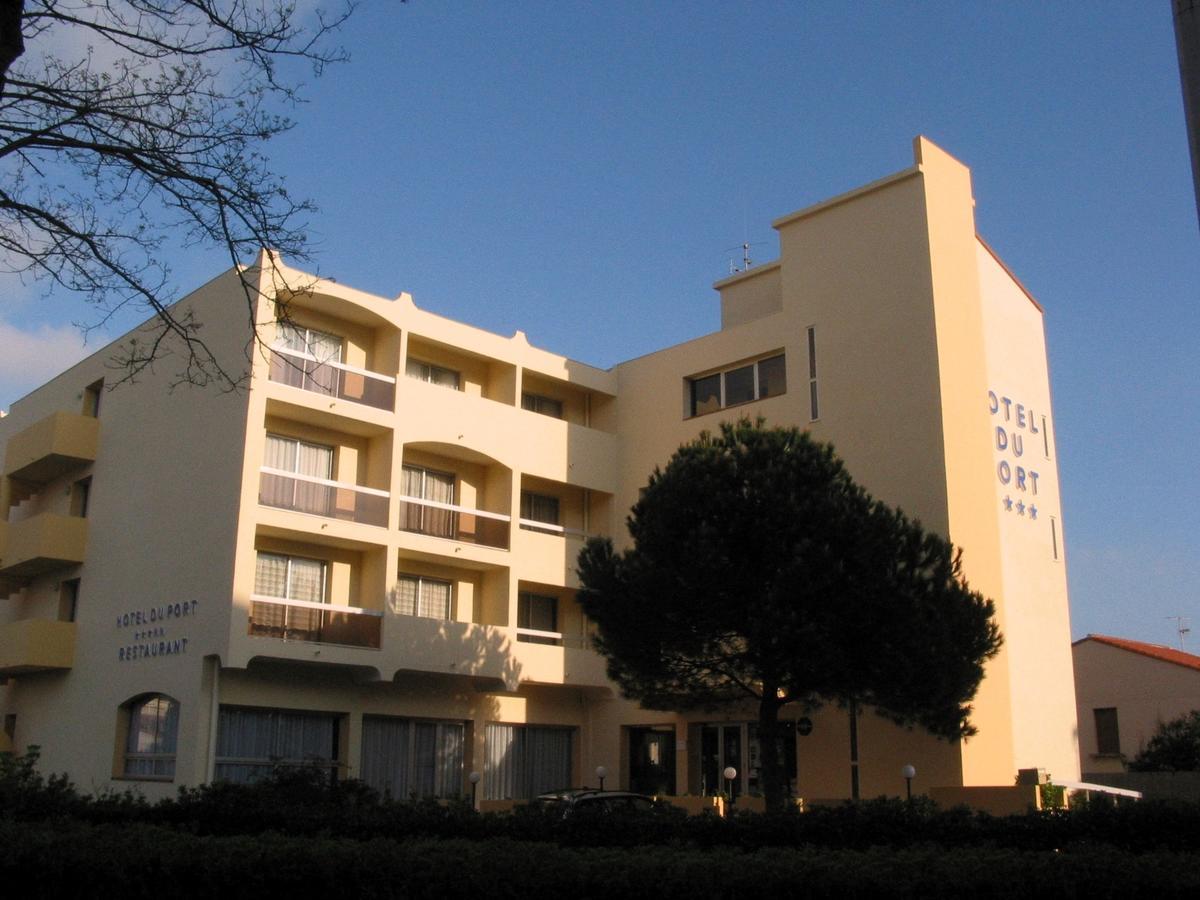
[[152, 136]]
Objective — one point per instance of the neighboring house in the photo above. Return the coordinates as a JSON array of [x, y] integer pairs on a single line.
[[1125, 690], [366, 560]]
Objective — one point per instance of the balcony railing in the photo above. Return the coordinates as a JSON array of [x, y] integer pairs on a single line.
[[334, 379], [322, 497], [533, 636], [551, 528], [457, 523], [300, 620]]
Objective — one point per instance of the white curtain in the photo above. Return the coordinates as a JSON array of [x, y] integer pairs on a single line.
[[425, 597], [404, 758], [153, 732], [524, 761], [251, 741]]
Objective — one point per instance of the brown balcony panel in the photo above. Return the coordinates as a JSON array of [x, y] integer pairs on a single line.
[[36, 645], [51, 447], [331, 501], [43, 543], [458, 526], [324, 626], [332, 381]]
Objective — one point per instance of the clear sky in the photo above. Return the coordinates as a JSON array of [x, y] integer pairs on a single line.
[[580, 171]]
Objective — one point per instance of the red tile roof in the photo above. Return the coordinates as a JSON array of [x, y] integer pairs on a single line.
[[1154, 651]]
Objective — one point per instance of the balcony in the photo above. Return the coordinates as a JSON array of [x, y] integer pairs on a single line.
[[299, 620], [36, 645], [52, 447], [333, 379], [322, 497], [456, 523], [41, 543]]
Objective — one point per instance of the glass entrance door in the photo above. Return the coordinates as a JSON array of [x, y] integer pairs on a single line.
[[651, 761], [721, 747]]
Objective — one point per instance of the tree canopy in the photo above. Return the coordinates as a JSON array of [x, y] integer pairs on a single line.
[[760, 571], [130, 126], [1174, 747]]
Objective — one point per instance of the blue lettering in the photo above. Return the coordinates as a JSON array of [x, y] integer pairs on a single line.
[[1018, 444], [1033, 423], [1033, 478], [1001, 438], [1007, 403], [1004, 471], [1020, 478], [993, 402], [120, 653], [1020, 415]]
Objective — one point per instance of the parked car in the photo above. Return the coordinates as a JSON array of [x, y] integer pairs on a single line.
[[591, 800]]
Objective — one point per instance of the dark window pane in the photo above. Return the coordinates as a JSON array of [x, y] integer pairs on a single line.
[[1108, 735], [772, 379], [739, 385], [706, 395]]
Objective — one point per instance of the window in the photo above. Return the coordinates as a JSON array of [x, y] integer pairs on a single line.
[[753, 381], [321, 345], [525, 760], [1108, 734], [813, 409], [150, 743], [91, 398], [428, 372], [538, 612], [403, 758], [80, 492], [68, 600], [298, 458], [547, 406], [290, 578], [437, 487], [428, 598], [539, 508], [253, 742]]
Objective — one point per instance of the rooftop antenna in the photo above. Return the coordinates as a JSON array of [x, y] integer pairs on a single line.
[[1181, 626]]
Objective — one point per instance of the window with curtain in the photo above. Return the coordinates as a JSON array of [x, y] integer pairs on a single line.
[[526, 760], [428, 598], [290, 577], [252, 742], [753, 381], [428, 372], [538, 403], [427, 484], [321, 346], [539, 613], [300, 458], [150, 742], [406, 758], [539, 508]]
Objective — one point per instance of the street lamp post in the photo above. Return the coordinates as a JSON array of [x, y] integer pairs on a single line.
[[909, 772], [730, 774], [474, 779], [601, 773]]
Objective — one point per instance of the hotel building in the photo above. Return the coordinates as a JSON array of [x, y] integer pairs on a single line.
[[366, 560]]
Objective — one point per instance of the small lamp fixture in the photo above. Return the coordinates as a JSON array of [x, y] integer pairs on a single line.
[[909, 772], [474, 779], [730, 774], [601, 773]]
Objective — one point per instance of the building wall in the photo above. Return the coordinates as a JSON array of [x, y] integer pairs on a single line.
[[1145, 692], [912, 323]]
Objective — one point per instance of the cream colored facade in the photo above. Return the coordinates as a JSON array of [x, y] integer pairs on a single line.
[[1125, 690], [368, 556]]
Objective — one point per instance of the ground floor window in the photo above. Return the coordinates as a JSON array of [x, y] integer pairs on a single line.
[[526, 760], [150, 742], [405, 758], [737, 745], [652, 760], [253, 742]]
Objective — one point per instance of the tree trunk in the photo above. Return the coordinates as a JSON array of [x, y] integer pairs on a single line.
[[774, 783], [12, 41]]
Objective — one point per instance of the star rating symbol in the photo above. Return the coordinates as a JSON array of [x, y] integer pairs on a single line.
[[1008, 504], [1020, 507], [1032, 512]]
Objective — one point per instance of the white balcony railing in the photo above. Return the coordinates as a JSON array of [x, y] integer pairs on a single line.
[[458, 523], [550, 528], [302, 620], [334, 379], [322, 497]]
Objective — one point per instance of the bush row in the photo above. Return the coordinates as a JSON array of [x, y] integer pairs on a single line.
[[300, 803], [133, 861]]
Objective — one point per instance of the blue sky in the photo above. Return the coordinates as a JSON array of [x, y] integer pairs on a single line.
[[579, 171]]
